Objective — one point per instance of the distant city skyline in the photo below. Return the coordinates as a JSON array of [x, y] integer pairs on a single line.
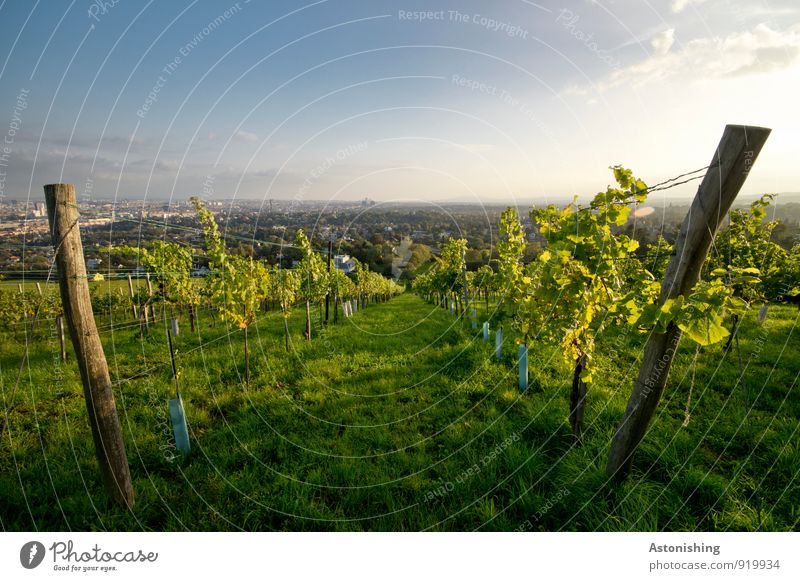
[[404, 101]]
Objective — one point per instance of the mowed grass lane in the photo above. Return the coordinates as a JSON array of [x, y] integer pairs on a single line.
[[400, 419]]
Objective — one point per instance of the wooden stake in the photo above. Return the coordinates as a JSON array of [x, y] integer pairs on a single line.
[[577, 400], [133, 304], [308, 321], [150, 297], [62, 214], [732, 161], [328, 294], [60, 332]]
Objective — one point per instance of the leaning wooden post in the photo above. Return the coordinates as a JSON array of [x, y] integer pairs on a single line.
[[732, 161], [62, 214], [60, 333], [133, 302], [150, 297]]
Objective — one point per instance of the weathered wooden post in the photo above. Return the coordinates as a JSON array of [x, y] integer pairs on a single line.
[[328, 294], [464, 278], [732, 161], [60, 333], [62, 213], [150, 297], [133, 302]]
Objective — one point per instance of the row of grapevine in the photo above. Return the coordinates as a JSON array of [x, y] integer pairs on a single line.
[[239, 284], [236, 288], [589, 276]]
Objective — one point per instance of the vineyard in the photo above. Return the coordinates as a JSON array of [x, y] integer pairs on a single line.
[[600, 386]]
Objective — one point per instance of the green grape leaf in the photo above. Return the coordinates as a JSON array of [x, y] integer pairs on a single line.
[[705, 331]]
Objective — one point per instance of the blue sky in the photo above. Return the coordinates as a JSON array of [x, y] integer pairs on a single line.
[[395, 100]]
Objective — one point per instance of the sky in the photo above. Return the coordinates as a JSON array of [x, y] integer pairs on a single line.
[[393, 100]]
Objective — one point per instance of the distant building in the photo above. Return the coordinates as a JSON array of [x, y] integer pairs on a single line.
[[39, 210], [344, 263], [93, 263]]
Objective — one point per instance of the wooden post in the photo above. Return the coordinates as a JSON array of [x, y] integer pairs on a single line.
[[308, 321], [732, 161], [62, 214], [328, 294], [577, 400], [60, 332], [150, 297], [246, 360], [130, 292], [464, 278]]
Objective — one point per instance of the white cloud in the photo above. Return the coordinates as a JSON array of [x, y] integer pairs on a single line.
[[663, 41], [246, 137], [681, 5], [757, 51]]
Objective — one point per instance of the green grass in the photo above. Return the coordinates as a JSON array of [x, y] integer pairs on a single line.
[[401, 419]]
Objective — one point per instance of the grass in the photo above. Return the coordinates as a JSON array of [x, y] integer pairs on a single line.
[[401, 419]]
